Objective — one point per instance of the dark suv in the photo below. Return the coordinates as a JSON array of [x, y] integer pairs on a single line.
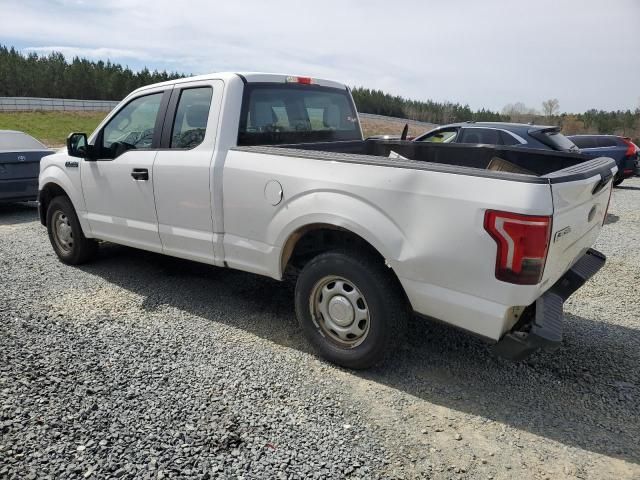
[[499, 133], [621, 149]]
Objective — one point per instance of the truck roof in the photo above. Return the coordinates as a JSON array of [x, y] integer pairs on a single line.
[[248, 77]]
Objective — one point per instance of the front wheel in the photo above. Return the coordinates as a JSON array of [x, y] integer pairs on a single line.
[[351, 308], [65, 233]]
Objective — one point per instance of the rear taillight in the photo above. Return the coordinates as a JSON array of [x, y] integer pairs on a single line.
[[631, 147], [523, 244]]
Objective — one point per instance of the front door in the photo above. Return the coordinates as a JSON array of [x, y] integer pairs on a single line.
[[118, 187]]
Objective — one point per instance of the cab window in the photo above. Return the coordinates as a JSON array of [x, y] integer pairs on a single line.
[[132, 127], [192, 115]]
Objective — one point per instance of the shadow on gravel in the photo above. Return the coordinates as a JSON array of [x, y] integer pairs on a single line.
[[627, 187], [611, 218], [585, 395], [14, 213]]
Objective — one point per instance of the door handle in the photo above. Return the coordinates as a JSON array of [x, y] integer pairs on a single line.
[[140, 174]]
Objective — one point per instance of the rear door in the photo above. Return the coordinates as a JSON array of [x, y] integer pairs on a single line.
[[580, 198], [183, 172]]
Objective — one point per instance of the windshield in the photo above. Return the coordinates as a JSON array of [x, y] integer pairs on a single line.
[[279, 114]]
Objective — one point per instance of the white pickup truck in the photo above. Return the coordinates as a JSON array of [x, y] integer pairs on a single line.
[[269, 173]]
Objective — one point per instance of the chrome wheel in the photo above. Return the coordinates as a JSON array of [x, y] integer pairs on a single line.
[[340, 311], [62, 232]]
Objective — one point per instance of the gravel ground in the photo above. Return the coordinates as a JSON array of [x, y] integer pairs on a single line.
[[143, 366]]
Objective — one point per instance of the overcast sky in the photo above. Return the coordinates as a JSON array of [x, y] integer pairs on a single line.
[[485, 53]]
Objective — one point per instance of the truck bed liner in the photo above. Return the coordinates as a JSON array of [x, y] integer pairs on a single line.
[[473, 160]]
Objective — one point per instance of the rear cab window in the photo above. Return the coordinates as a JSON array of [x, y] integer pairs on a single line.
[[275, 114]]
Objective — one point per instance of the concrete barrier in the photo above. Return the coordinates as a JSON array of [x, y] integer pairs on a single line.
[[22, 104]]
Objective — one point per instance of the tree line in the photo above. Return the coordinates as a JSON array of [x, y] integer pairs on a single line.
[[593, 121], [381, 103], [51, 76], [33, 75]]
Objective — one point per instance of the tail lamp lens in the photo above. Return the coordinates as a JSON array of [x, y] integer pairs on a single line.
[[523, 244], [631, 147]]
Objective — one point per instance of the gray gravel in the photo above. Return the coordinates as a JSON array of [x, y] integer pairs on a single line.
[[143, 366]]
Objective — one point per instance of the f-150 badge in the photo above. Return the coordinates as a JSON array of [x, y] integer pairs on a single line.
[[561, 233]]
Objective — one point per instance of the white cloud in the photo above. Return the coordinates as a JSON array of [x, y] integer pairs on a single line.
[[485, 53]]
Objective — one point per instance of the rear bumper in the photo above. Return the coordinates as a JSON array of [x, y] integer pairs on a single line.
[[628, 167], [541, 323], [22, 189]]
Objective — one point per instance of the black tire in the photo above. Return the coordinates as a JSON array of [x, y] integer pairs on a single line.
[[383, 299], [617, 181], [79, 249]]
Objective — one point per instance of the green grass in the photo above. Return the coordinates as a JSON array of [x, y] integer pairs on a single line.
[[51, 128]]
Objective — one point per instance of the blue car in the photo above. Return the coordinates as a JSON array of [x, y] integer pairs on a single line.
[[20, 156], [500, 133], [621, 149]]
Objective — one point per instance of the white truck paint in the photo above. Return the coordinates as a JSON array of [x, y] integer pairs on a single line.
[[244, 208]]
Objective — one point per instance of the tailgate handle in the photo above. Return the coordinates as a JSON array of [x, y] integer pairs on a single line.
[[604, 179]]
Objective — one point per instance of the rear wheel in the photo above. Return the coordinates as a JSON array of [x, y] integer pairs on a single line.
[[65, 233], [351, 308]]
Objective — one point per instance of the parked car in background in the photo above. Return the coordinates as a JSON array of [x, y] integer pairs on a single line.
[[621, 149], [20, 156], [501, 133]]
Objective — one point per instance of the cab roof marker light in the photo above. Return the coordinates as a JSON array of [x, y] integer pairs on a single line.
[[302, 80]]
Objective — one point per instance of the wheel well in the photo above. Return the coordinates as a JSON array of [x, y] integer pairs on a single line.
[[48, 193], [311, 240]]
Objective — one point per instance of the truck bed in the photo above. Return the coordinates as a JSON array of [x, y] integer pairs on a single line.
[[508, 163]]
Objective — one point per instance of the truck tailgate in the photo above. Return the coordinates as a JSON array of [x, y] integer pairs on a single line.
[[580, 195]]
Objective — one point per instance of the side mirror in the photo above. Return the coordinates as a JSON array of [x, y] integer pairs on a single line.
[[77, 146]]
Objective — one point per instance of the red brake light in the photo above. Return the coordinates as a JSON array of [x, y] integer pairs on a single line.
[[631, 147], [302, 80], [523, 244]]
